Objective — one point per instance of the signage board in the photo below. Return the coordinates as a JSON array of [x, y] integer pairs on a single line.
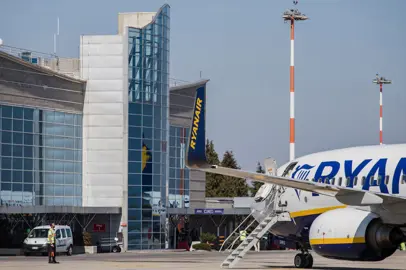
[[209, 211], [99, 227]]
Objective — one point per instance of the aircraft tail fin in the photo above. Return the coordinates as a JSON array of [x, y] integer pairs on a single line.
[[196, 147]]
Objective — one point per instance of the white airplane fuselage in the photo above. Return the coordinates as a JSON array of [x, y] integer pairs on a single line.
[[378, 168], [347, 204]]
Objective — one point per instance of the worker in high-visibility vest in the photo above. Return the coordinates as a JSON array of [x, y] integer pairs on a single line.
[[243, 235], [403, 246], [51, 244]]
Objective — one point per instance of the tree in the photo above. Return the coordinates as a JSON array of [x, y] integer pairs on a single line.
[[218, 185], [232, 186], [257, 185], [212, 180]]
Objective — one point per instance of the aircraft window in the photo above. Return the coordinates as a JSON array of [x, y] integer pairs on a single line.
[[347, 183], [288, 169], [379, 179], [387, 179], [320, 180], [371, 180], [333, 181], [355, 181], [340, 181], [404, 179], [363, 180]]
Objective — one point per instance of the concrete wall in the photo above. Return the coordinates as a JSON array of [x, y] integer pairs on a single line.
[[134, 19], [243, 202], [67, 66], [103, 66], [226, 204], [197, 189], [27, 84]]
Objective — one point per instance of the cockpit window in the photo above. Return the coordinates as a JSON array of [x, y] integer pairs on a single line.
[[289, 169]]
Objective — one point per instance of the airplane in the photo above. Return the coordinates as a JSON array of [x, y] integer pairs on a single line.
[[347, 204]]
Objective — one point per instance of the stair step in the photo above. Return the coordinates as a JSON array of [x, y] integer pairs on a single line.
[[251, 239]]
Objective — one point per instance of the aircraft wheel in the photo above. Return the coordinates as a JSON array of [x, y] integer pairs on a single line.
[[300, 260], [308, 261]]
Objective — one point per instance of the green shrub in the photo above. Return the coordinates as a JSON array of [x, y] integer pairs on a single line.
[[202, 246], [207, 237]]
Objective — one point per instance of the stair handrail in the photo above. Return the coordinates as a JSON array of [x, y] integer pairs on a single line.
[[230, 247], [271, 196], [249, 226], [252, 211]]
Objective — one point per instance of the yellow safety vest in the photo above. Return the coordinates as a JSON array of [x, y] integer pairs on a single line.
[[402, 246], [243, 234], [51, 236]]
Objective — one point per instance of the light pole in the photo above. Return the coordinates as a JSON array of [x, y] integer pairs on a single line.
[[292, 15], [381, 81]]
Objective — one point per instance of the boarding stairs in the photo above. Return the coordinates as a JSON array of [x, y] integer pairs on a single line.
[[271, 217]]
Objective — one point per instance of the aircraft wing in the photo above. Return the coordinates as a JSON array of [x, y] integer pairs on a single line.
[[196, 159]]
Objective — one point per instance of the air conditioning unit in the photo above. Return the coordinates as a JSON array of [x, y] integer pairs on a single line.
[[27, 56]]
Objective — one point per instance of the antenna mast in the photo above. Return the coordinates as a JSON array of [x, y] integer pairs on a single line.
[[55, 35]]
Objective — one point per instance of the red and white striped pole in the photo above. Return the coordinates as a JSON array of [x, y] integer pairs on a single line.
[[292, 89], [381, 81], [292, 15], [380, 114]]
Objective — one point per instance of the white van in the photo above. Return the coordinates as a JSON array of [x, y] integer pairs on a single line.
[[36, 241]]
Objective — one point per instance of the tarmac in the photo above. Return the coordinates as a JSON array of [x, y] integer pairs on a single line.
[[195, 260]]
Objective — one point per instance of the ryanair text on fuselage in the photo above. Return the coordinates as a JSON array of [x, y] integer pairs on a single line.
[[196, 121], [378, 167]]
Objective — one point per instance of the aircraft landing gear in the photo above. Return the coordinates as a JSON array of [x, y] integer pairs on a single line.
[[303, 260]]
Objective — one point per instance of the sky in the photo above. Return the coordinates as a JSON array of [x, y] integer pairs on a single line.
[[243, 47]]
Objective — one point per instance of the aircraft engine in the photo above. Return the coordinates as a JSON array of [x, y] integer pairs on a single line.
[[351, 234]]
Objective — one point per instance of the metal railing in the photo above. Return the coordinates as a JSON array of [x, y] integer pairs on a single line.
[[64, 65], [235, 230], [271, 199]]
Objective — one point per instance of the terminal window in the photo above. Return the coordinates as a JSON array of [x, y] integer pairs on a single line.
[[40, 157]]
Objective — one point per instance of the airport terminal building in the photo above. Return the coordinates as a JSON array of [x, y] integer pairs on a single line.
[[98, 142]]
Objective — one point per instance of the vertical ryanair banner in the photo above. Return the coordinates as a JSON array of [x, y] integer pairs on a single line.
[[146, 166]]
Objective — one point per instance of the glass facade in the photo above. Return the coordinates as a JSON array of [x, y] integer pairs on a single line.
[[41, 157], [178, 173], [148, 132]]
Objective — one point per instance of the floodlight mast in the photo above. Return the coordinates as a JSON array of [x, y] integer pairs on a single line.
[[292, 15], [381, 81]]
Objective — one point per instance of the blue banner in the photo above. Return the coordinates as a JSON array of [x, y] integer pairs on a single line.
[[208, 211]]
